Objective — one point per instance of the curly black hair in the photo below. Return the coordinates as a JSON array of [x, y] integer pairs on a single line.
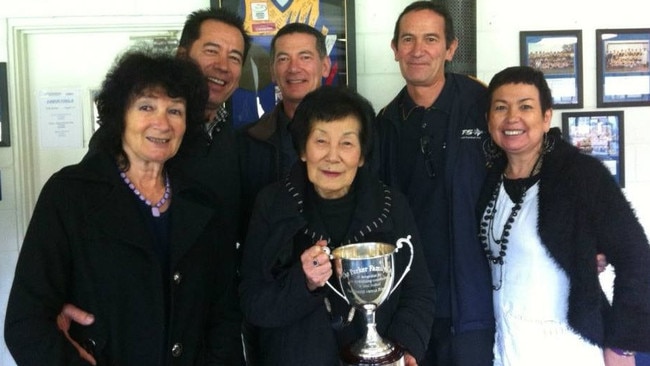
[[134, 72]]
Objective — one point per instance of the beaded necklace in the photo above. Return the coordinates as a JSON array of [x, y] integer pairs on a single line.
[[486, 233], [155, 208]]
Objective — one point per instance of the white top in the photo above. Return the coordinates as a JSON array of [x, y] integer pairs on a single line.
[[531, 306]]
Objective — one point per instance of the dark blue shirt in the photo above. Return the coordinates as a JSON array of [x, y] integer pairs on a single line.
[[422, 150]]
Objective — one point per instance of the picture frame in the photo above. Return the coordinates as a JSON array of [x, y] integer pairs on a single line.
[[257, 94], [558, 54], [5, 138], [599, 134], [622, 70]]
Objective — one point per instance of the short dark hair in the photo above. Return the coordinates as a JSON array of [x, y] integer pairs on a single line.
[[327, 104], [192, 28], [522, 75], [300, 28], [134, 72], [435, 7]]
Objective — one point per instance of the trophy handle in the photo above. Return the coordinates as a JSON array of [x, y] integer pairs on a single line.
[[400, 244], [328, 251], [337, 291]]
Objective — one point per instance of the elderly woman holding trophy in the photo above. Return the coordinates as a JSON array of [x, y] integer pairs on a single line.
[[374, 307]]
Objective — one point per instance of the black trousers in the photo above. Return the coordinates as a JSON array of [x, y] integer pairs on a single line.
[[473, 348]]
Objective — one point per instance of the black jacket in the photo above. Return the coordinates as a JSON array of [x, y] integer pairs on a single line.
[[260, 148], [214, 166], [88, 244], [582, 212], [294, 325]]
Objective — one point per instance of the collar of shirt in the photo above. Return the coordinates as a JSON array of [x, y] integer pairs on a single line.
[[443, 102], [220, 117]]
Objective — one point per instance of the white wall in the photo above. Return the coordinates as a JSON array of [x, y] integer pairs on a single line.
[[378, 76], [499, 23]]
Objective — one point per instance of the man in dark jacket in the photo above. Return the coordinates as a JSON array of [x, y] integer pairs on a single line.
[[216, 41], [431, 149], [299, 62]]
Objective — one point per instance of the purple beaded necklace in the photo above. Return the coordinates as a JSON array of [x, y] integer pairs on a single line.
[[155, 208]]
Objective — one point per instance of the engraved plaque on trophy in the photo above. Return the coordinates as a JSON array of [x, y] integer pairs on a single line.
[[366, 273]]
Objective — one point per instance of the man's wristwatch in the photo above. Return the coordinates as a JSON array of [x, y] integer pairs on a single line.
[[624, 353]]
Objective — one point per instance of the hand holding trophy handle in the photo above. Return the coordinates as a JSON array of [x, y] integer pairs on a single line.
[[400, 244]]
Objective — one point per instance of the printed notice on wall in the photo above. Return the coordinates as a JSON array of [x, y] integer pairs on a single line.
[[60, 118]]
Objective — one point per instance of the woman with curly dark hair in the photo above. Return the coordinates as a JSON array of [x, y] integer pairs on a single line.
[[123, 237]]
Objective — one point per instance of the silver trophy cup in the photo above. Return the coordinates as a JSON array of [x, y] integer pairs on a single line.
[[366, 273]]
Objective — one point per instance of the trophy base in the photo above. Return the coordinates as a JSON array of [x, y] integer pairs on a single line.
[[394, 358]]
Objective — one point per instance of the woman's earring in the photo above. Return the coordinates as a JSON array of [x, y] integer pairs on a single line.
[[548, 144], [491, 151]]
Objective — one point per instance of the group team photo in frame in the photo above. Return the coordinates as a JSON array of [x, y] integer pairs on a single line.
[[257, 94], [599, 134], [623, 75], [558, 54]]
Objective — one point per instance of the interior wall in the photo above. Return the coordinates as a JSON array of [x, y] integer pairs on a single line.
[[378, 77]]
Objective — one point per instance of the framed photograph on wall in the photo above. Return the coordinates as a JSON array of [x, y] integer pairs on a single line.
[[599, 134], [4, 107], [257, 94], [559, 55], [622, 72]]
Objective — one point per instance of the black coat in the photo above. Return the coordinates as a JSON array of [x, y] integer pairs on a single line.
[[582, 212], [261, 163], [89, 244], [214, 166], [294, 325]]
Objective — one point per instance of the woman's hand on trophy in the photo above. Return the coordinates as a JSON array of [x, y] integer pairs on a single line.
[[409, 360], [316, 265]]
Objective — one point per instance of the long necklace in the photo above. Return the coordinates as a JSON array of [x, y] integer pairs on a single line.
[[486, 232], [155, 208]]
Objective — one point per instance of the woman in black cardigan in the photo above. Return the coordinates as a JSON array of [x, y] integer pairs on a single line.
[[545, 212], [328, 199]]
